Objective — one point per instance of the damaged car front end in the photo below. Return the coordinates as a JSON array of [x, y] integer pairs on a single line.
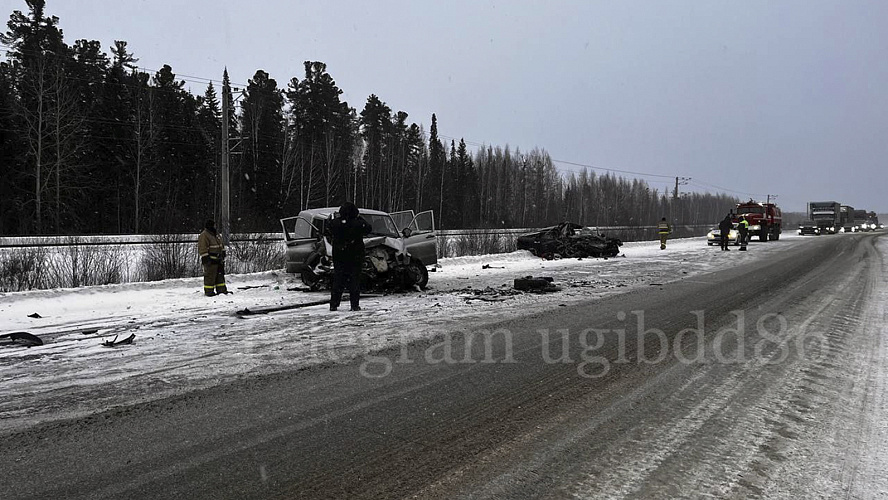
[[398, 249]]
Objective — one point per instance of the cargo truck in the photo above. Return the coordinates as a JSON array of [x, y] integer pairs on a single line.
[[859, 220], [826, 215], [846, 219]]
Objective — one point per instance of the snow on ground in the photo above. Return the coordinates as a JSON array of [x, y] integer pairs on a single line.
[[186, 341]]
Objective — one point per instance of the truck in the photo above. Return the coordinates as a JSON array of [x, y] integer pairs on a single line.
[[826, 215], [765, 219], [846, 219], [859, 220], [872, 221]]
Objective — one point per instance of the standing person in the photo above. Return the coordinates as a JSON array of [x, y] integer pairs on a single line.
[[347, 232], [743, 228], [664, 230], [212, 257], [724, 228]]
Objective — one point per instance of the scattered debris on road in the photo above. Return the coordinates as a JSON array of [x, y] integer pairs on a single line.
[[536, 285], [34, 315], [265, 310], [115, 342], [488, 266], [488, 294], [21, 339]]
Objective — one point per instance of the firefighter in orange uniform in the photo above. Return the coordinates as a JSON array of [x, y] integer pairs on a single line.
[[212, 257]]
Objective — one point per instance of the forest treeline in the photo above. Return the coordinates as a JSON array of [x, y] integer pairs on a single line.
[[91, 143]]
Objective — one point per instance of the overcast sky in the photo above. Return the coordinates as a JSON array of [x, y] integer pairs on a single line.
[[753, 96]]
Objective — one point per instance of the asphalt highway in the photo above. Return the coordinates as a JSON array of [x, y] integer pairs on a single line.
[[764, 381]]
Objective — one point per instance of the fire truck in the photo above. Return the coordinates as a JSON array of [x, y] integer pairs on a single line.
[[765, 219]]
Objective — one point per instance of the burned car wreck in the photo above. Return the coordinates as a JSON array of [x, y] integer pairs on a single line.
[[399, 248], [569, 240]]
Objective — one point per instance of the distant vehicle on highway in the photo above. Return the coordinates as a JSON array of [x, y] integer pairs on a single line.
[[809, 227]]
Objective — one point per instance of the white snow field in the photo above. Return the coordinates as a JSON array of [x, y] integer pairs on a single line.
[[186, 341]]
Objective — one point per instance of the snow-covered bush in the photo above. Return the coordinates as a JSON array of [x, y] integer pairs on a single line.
[[169, 256], [475, 242], [83, 263], [251, 253], [22, 269]]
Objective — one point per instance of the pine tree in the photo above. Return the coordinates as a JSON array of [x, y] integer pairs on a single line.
[[437, 158], [37, 54], [263, 139]]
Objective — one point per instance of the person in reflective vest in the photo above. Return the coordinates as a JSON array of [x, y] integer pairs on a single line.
[[212, 258], [663, 230], [743, 229]]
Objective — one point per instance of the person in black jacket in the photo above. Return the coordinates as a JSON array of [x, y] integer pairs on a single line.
[[724, 228], [347, 232]]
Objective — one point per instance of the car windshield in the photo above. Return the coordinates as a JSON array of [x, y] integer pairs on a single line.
[[382, 225]]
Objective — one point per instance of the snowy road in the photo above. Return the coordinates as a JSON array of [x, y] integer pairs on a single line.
[[766, 379]]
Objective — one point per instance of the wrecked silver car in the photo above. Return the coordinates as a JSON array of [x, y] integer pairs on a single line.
[[569, 240], [399, 248]]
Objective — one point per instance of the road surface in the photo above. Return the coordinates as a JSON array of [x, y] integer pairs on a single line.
[[759, 382]]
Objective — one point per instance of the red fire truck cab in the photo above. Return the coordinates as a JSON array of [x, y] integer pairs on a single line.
[[765, 220]]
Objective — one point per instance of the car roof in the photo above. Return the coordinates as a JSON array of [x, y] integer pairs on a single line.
[[327, 211]]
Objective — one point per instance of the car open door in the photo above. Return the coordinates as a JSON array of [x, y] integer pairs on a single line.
[[422, 241], [301, 238]]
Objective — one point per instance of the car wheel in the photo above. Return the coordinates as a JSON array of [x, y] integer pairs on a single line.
[[418, 273], [309, 277]]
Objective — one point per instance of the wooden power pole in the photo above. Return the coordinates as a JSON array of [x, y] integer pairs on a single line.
[[225, 213]]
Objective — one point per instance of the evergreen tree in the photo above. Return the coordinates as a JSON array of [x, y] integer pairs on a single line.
[[375, 126], [437, 158], [320, 139], [37, 59], [263, 138]]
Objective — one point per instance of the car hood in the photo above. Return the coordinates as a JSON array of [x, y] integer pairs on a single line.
[[374, 241]]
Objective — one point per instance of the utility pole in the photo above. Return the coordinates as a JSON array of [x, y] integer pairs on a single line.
[[225, 214], [682, 181]]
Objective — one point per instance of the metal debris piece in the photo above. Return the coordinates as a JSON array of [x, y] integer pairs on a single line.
[[21, 338], [115, 342]]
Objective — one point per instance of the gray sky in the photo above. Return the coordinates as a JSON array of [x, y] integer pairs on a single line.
[[756, 96]]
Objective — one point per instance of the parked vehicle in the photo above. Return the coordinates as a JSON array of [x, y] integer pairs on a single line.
[[827, 215], [714, 236], [809, 227], [399, 248], [765, 219], [569, 240]]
